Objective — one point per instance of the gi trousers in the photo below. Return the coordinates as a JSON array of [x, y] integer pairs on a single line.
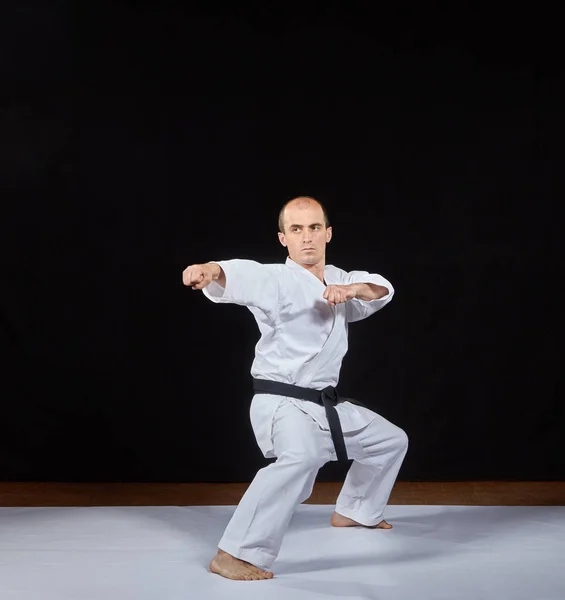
[[302, 447]]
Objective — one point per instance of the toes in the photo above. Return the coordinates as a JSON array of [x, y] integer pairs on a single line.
[[263, 574], [260, 572], [253, 576], [384, 525]]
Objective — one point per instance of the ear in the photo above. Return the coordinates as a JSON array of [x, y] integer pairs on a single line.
[[329, 233], [281, 239]]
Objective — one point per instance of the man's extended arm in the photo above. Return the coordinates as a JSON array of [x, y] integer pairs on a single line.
[[238, 281]]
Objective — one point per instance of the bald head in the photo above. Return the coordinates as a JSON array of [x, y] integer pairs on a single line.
[[301, 202], [304, 230]]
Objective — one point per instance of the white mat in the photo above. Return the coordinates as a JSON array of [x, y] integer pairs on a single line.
[[162, 553]]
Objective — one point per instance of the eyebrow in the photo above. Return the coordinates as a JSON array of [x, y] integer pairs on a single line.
[[312, 225]]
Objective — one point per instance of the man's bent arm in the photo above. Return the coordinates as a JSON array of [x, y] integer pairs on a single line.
[[369, 291], [372, 292]]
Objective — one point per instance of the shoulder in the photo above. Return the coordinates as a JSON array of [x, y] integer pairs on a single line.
[[275, 268], [334, 269], [335, 273], [253, 264], [272, 270], [251, 268]]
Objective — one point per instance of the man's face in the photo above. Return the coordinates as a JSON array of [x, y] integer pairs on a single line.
[[305, 233]]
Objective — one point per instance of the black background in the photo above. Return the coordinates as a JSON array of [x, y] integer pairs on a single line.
[[141, 137]]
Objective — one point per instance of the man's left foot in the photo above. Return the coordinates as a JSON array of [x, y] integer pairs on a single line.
[[338, 520]]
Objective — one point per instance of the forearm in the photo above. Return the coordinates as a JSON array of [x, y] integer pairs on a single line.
[[369, 291]]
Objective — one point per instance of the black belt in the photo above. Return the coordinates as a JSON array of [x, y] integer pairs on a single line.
[[328, 398]]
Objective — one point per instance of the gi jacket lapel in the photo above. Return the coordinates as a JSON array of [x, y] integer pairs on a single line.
[[332, 343]]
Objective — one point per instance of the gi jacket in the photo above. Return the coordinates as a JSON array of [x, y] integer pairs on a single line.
[[303, 339]]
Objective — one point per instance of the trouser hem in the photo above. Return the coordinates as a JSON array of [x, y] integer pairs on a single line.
[[256, 557], [358, 517]]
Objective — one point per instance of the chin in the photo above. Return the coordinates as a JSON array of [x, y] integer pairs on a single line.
[[309, 260]]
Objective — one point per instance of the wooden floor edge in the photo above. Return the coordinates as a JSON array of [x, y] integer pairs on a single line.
[[468, 493]]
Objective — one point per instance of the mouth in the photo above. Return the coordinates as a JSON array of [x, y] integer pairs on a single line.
[[306, 249]]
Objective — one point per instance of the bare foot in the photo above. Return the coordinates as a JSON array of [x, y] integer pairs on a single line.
[[226, 565], [338, 520]]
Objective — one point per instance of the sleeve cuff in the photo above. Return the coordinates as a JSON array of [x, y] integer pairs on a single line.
[[214, 291]]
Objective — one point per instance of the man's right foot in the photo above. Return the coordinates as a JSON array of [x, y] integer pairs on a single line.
[[228, 566], [338, 520]]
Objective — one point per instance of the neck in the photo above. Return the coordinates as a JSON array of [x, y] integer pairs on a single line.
[[316, 269]]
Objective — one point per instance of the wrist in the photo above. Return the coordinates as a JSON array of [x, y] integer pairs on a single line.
[[356, 288], [213, 269], [216, 271]]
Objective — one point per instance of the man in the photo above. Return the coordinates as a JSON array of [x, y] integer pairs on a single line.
[[302, 308]]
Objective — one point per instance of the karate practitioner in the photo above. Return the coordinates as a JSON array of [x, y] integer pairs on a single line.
[[302, 308]]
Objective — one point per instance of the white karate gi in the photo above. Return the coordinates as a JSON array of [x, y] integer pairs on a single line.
[[303, 342]]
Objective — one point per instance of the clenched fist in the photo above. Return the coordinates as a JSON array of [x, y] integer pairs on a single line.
[[199, 276], [336, 294]]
